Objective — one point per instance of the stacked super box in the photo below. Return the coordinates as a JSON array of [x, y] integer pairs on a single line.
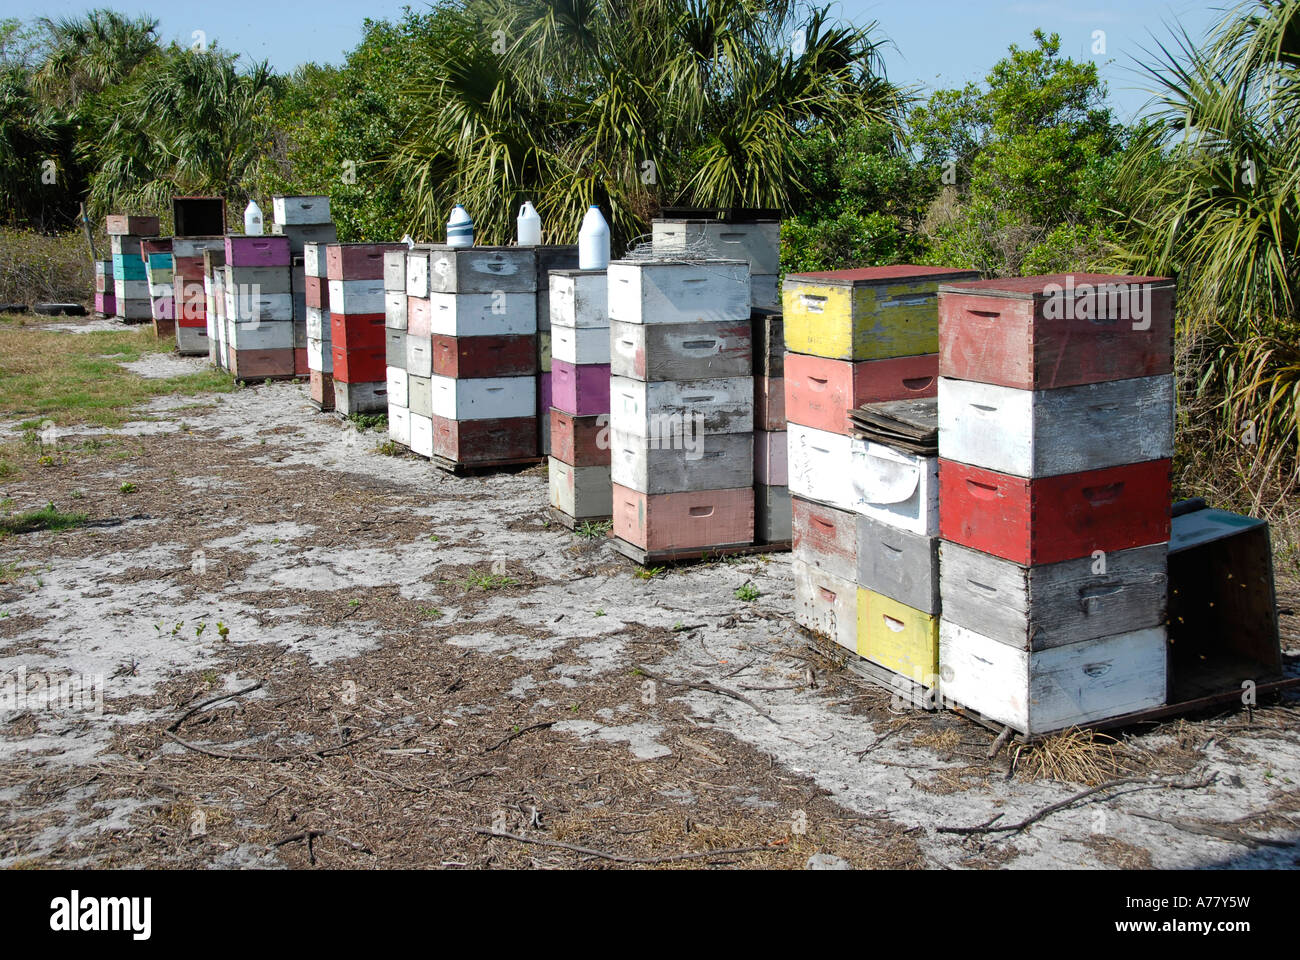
[[757, 242], [1056, 409], [105, 290], [854, 337], [681, 406], [549, 257], [302, 220], [355, 280], [214, 302], [471, 329], [316, 304], [772, 506], [195, 328], [157, 256], [131, 285], [580, 438], [396, 307], [259, 307]]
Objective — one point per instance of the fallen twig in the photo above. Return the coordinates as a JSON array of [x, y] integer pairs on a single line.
[[709, 687], [1216, 830], [282, 758], [619, 858], [544, 725], [175, 724]]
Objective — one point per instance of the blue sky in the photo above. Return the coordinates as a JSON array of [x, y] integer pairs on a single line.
[[936, 43]]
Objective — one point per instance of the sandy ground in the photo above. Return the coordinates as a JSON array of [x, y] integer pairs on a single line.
[[412, 661]]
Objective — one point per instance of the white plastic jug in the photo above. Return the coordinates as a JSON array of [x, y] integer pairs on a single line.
[[460, 228], [253, 219], [529, 225], [410, 243], [593, 241]]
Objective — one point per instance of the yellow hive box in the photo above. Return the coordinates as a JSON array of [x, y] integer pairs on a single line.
[[898, 637], [869, 314]]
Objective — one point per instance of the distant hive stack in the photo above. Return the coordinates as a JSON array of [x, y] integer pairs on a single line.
[[1056, 411], [131, 285], [302, 220], [157, 255], [550, 257], [355, 279], [214, 279], [857, 337], [316, 304], [194, 328], [579, 334], [259, 307], [105, 289], [681, 407], [754, 237], [474, 310]]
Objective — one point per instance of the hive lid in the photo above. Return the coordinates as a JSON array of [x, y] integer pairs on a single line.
[[1050, 285], [871, 276]]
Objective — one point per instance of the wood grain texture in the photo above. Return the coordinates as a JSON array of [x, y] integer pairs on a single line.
[[399, 424], [1036, 608], [264, 279], [758, 244], [771, 458], [825, 604], [898, 564], [769, 404], [678, 292], [1051, 519], [419, 317], [483, 270], [476, 357], [673, 521], [820, 391], [768, 334], [395, 271], [395, 348], [365, 397], [314, 260], [579, 298], [679, 351], [715, 462], [675, 406], [825, 538], [299, 211], [262, 336], [485, 441], [580, 441], [355, 331], [584, 493], [421, 434], [898, 637], [580, 390], [419, 395], [397, 387], [819, 466], [1041, 433], [419, 355], [989, 338], [320, 387], [486, 398], [417, 274], [353, 261], [360, 365], [1041, 692], [395, 309]]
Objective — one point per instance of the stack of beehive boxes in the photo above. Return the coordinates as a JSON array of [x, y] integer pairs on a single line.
[[474, 309], [579, 432], [395, 314], [355, 273], [681, 407], [105, 289], [214, 304], [194, 328], [302, 220], [157, 256], [1056, 409], [316, 304], [549, 257], [855, 337], [259, 307], [131, 286], [772, 507]]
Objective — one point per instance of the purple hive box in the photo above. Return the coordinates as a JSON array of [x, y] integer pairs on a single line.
[[580, 389], [268, 251]]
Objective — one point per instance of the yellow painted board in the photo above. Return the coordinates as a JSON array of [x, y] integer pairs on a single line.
[[898, 637]]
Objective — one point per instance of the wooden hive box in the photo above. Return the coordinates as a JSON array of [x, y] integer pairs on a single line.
[[484, 270], [1037, 333], [578, 299], [300, 211], [676, 351], [898, 564], [580, 441], [356, 261], [580, 390], [678, 292], [583, 493], [119, 225], [896, 487], [757, 243], [552, 258], [818, 466], [1043, 433], [353, 331], [825, 604], [485, 441], [357, 296], [772, 509], [825, 538], [872, 313], [264, 251], [483, 314], [396, 305], [898, 637], [684, 521], [713, 462], [820, 392], [670, 407], [476, 357], [580, 346], [487, 398]]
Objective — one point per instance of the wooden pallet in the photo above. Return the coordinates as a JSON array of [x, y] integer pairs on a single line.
[[656, 557], [459, 469], [572, 523], [915, 694]]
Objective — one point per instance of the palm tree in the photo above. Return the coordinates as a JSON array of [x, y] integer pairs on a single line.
[[91, 53], [1210, 188], [629, 104]]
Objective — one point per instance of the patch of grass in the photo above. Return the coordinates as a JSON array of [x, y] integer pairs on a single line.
[[48, 517], [593, 529], [77, 377], [369, 421], [648, 573], [599, 613], [487, 581], [431, 613], [391, 448], [747, 592], [128, 487], [7, 469], [11, 571]]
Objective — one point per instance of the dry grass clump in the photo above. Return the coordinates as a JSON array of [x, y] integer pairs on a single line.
[[1074, 756], [36, 268]]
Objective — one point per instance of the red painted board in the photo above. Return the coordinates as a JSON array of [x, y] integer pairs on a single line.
[[820, 391], [684, 521], [580, 441], [356, 330], [485, 441], [359, 365], [468, 357]]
